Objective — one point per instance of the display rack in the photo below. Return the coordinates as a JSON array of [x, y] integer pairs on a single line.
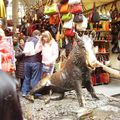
[[102, 49]]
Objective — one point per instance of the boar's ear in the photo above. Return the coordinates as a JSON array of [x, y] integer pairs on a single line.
[[77, 38]]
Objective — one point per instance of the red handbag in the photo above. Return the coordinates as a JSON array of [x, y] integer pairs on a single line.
[[76, 8], [69, 33], [104, 78]]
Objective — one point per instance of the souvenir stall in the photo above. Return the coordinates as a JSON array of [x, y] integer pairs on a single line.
[[65, 17]]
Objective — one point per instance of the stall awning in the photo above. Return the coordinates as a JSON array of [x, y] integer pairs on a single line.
[[2, 9]]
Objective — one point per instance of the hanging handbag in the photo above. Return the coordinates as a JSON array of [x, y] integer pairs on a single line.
[[69, 33], [68, 24], [78, 18], [54, 19], [94, 16], [114, 12], [51, 9], [66, 17], [64, 8], [83, 25], [71, 2], [64, 1], [76, 8]]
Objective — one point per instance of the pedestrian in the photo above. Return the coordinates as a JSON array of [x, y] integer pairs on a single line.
[[50, 51], [32, 64], [20, 57]]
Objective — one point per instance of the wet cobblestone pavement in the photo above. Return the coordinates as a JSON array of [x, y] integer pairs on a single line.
[[107, 108]]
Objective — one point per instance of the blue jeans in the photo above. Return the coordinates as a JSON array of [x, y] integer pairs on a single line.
[[32, 76], [48, 70]]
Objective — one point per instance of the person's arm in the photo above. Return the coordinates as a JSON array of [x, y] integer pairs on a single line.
[[38, 47], [29, 49], [55, 53]]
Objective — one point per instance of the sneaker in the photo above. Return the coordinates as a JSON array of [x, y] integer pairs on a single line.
[[24, 95]]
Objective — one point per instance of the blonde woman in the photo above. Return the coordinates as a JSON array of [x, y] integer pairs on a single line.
[[50, 51]]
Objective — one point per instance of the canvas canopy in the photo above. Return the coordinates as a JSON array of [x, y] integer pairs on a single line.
[[88, 4]]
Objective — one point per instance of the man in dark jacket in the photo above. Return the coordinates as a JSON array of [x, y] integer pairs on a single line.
[[32, 67]]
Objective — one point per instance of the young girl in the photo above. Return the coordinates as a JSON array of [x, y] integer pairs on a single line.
[[49, 48]]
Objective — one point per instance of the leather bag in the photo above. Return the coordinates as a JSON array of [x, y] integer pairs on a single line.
[[68, 24], [64, 8], [78, 18], [64, 1], [69, 33], [76, 8], [66, 17], [51, 9]]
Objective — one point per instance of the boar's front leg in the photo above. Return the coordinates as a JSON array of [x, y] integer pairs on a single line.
[[78, 89]]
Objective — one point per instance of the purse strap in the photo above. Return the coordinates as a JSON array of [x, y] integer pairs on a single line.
[[49, 2]]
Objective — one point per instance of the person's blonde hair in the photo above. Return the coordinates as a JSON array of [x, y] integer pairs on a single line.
[[48, 35]]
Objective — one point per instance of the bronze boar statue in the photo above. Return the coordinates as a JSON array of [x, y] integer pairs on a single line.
[[74, 74]]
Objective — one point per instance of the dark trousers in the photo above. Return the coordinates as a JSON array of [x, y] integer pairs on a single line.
[[32, 76]]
